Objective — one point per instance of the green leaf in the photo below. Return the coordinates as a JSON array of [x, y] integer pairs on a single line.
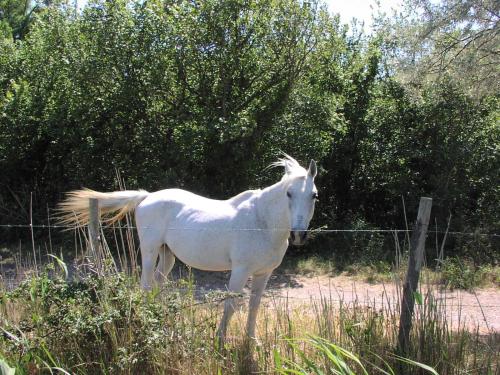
[[416, 364], [5, 369], [61, 264], [277, 359], [418, 298]]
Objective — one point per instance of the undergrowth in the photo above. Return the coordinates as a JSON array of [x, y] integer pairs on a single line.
[[457, 273], [452, 273], [106, 324]]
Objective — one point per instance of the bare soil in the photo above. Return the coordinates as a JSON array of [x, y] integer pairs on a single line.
[[477, 310]]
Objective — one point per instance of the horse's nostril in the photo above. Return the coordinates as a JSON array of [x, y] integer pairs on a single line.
[[303, 236]]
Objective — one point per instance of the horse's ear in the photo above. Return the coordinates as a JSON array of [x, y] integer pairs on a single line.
[[312, 171]]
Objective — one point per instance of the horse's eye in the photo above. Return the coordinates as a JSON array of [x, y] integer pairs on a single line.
[[288, 194], [315, 196]]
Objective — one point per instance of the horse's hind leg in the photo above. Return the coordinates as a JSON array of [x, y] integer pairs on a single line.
[[165, 264], [149, 255]]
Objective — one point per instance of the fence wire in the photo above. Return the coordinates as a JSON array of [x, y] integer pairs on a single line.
[[314, 231]]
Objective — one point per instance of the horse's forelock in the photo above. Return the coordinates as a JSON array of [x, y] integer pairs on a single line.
[[295, 169]]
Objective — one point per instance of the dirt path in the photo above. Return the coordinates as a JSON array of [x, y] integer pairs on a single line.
[[479, 310]]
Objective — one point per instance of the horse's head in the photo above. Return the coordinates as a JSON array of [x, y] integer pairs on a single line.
[[301, 194]]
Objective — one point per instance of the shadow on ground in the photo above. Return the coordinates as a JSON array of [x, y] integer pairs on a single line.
[[209, 280]]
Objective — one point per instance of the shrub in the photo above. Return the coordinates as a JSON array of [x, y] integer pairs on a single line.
[[97, 323], [462, 274]]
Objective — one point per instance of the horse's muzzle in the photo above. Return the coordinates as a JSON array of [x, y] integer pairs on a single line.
[[298, 237]]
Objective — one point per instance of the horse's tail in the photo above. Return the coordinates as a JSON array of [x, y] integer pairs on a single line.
[[74, 210]]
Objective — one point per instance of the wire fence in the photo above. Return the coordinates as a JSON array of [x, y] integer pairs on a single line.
[[344, 298], [314, 231]]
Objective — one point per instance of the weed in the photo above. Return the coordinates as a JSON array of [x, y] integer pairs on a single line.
[[375, 272], [460, 273], [309, 266]]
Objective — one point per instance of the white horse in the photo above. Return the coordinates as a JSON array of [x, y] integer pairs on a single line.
[[247, 234]]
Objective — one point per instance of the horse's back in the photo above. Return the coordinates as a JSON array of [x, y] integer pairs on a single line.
[[181, 209], [174, 200], [242, 197], [171, 196]]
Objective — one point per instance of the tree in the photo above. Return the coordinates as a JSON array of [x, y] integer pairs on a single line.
[[14, 18], [455, 38]]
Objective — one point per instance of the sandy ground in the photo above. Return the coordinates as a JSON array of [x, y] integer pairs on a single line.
[[476, 310]]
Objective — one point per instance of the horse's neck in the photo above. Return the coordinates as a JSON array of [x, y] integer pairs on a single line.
[[273, 209]]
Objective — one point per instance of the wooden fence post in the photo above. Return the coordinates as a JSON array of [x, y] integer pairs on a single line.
[[417, 247], [94, 231]]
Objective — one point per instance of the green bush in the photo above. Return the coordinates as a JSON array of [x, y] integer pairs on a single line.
[[104, 324], [460, 273]]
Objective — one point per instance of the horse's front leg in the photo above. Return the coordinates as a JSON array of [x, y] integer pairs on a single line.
[[237, 281], [259, 282]]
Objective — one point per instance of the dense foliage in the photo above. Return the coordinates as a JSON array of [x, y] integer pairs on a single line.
[[204, 95]]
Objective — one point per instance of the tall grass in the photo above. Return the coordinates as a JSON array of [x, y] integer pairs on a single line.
[[101, 322]]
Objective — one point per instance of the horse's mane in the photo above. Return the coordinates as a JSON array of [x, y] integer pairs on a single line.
[[290, 164]]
